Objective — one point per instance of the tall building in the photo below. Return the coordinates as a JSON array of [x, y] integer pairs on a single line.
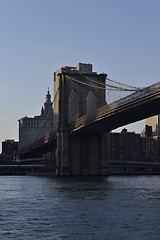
[[154, 122], [32, 128]]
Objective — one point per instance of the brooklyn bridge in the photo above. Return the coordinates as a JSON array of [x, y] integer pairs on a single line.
[[83, 117]]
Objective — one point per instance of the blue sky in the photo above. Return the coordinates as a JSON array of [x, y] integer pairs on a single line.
[[37, 37]]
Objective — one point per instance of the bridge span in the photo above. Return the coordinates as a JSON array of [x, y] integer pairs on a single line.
[[82, 118], [142, 104]]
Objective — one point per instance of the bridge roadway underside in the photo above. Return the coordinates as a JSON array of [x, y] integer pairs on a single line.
[[119, 117]]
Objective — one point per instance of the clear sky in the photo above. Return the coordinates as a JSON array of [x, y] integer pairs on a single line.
[[37, 37]]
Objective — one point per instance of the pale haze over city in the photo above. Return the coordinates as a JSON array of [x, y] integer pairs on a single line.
[[118, 37]]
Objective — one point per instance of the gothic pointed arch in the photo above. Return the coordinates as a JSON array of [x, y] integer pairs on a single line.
[[73, 106], [90, 102]]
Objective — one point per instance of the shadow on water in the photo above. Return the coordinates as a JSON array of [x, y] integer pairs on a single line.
[[79, 188]]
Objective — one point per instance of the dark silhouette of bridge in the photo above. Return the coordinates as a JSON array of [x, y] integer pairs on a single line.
[[82, 118]]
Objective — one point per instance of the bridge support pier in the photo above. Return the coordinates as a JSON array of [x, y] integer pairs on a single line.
[[88, 155], [80, 155], [63, 165]]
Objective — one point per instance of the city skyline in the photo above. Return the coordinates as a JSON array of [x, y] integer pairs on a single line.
[[120, 38]]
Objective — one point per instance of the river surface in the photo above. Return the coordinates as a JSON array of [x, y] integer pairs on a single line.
[[34, 208]]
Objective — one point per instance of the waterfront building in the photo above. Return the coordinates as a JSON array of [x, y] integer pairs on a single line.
[[113, 146], [124, 146], [33, 128], [130, 146]]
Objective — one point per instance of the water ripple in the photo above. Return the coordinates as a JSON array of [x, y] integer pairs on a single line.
[[69, 208]]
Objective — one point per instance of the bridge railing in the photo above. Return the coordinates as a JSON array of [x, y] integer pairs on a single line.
[[141, 93]]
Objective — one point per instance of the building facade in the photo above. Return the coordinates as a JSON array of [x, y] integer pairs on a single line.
[[154, 122], [9, 147], [131, 147], [33, 128], [124, 146], [151, 144]]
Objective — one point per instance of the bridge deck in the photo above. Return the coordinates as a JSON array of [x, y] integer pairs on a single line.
[[135, 107]]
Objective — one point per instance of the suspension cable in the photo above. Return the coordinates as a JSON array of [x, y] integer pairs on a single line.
[[110, 80], [111, 87], [87, 84]]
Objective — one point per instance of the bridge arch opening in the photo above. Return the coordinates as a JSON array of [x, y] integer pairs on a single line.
[[73, 106], [90, 102]]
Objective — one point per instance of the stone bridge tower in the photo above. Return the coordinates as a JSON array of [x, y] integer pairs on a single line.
[[78, 91]]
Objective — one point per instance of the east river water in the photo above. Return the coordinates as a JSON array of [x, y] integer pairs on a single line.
[[34, 208]]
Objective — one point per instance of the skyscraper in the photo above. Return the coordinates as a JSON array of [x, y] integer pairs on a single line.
[[154, 122]]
